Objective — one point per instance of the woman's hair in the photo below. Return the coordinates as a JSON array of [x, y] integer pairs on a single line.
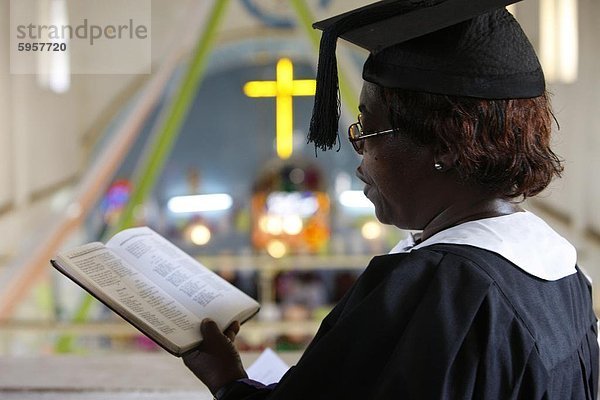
[[503, 145]]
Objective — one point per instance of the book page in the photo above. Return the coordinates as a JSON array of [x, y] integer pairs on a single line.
[[268, 368], [98, 267], [200, 290]]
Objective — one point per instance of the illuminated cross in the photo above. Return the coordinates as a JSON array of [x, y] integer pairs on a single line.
[[283, 89]]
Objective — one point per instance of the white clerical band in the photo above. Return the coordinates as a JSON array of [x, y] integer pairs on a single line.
[[522, 238]]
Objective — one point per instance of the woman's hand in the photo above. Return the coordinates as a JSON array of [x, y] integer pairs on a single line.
[[216, 361]]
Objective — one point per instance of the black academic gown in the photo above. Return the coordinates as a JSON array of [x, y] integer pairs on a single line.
[[449, 322]]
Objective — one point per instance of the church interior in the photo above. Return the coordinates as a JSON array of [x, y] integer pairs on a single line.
[[196, 126]]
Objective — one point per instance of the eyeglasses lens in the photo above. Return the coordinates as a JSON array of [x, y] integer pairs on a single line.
[[354, 132]]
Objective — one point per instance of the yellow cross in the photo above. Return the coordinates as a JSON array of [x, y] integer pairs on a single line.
[[283, 89]]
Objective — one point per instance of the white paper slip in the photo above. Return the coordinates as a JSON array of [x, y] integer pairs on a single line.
[[268, 368]]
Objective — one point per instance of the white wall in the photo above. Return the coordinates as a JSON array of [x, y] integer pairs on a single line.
[[5, 114], [7, 171], [42, 133], [577, 108]]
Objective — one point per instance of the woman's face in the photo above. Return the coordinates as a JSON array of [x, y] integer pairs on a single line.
[[399, 175]]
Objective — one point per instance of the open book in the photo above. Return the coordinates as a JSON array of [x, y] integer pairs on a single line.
[[156, 287]]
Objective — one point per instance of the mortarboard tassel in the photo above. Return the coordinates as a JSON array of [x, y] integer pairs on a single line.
[[323, 130], [326, 110]]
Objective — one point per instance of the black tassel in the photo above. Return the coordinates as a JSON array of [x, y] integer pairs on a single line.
[[324, 122], [326, 110]]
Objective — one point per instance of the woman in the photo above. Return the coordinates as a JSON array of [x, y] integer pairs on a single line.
[[487, 302]]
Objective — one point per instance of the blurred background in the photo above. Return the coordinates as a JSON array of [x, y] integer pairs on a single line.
[[204, 140]]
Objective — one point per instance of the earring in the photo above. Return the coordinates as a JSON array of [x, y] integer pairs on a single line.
[[438, 166]]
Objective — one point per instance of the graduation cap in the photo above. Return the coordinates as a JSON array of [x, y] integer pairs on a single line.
[[469, 48]]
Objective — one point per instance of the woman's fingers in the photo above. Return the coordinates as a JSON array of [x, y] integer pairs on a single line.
[[232, 331], [216, 361], [211, 333]]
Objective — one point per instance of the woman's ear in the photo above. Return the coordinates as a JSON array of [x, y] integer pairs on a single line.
[[444, 159]]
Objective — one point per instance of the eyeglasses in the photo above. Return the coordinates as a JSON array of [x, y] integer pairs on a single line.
[[356, 135]]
